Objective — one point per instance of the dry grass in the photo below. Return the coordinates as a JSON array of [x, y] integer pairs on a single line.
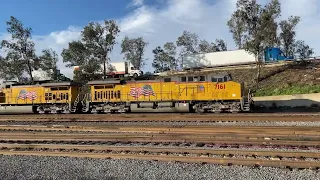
[[287, 79]]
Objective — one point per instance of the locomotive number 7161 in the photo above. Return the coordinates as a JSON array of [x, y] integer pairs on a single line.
[[220, 86]]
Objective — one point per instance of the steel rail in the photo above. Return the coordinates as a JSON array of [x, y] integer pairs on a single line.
[[157, 114], [258, 131], [116, 137], [166, 150], [167, 119]]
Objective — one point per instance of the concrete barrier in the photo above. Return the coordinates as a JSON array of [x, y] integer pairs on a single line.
[[297, 100]]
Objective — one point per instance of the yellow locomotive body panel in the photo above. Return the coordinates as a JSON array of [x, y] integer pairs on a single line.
[[46, 97], [218, 93], [22, 95], [60, 94], [166, 91], [37, 94], [107, 92], [149, 91]]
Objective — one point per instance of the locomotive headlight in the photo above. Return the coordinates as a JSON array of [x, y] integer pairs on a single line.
[[233, 95]]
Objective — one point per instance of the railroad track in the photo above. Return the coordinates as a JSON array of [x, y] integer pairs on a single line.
[[161, 138], [200, 134], [258, 131], [191, 155], [170, 117], [294, 147], [221, 145]]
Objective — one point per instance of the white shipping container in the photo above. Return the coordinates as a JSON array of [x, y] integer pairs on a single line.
[[224, 58]]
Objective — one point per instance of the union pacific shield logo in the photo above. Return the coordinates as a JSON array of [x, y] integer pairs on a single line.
[[201, 88]]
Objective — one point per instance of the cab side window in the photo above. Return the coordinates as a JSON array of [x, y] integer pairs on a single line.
[[213, 79]]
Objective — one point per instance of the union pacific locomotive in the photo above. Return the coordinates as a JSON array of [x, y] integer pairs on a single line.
[[202, 93]]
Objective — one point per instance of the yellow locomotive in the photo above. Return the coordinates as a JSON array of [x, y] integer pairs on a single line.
[[203, 93], [44, 98]]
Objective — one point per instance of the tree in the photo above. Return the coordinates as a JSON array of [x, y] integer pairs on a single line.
[[257, 27], [159, 61], [205, 46], [171, 51], [237, 28], [100, 39], [164, 58], [287, 34], [21, 49], [49, 59], [133, 50], [189, 41], [218, 45], [62, 77], [189, 44], [302, 50], [12, 67], [78, 54]]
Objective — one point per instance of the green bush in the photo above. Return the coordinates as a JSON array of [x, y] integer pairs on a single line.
[[290, 90]]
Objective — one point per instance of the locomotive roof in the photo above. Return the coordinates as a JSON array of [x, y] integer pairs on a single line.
[[104, 82], [193, 73], [221, 74], [51, 84], [100, 82], [70, 83]]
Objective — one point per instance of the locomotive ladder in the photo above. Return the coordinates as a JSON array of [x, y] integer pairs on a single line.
[[75, 104], [85, 102], [246, 105], [247, 102]]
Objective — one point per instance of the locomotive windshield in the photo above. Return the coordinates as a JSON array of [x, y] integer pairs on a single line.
[[221, 78]]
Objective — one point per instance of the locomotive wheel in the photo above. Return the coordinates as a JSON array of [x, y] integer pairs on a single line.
[[34, 109], [199, 109], [191, 108], [128, 110]]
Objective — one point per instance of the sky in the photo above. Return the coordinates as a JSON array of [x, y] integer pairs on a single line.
[[55, 23]]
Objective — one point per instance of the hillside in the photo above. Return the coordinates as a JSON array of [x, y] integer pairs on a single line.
[[281, 80]]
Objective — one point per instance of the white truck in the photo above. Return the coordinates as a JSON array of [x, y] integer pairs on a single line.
[[117, 69], [122, 69]]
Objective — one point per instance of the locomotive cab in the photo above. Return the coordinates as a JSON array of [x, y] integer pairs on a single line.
[[224, 77]]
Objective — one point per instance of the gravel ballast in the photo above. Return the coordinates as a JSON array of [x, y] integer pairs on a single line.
[[33, 167], [254, 123]]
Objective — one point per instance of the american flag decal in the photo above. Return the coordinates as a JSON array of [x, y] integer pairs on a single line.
[[145, 90], [32, 95]]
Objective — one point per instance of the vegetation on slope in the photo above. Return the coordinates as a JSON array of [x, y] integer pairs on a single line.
[[282, 80]]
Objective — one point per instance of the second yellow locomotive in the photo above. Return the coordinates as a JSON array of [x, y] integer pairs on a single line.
[[44, 98], [203, 93]]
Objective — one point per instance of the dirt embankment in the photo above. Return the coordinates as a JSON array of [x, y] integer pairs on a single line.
[[287, 79]]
